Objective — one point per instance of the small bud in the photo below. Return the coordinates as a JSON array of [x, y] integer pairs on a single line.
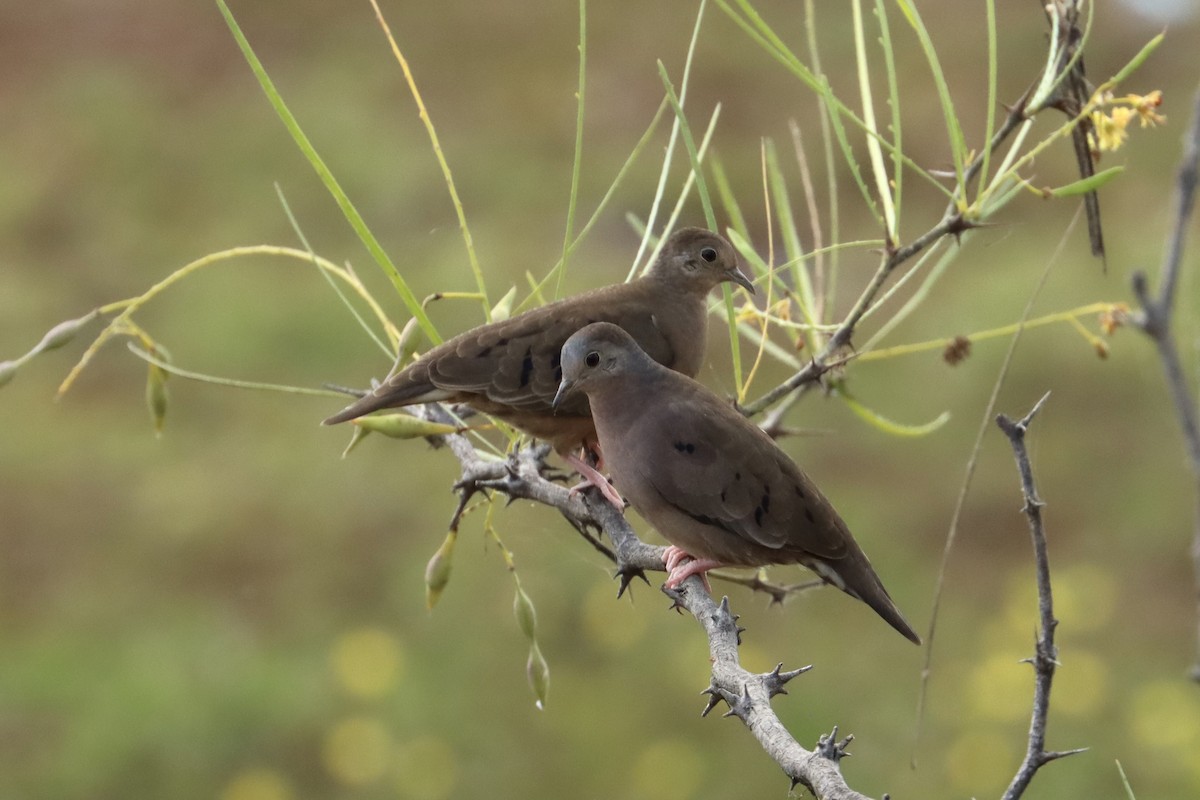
[[526, 616], [410, 339], [156, 396], [538, 673], [8, 371], [404, 426], [63, 332], [503, 310], [957, 350], [358, 435], [437, 571], [1101, 348]]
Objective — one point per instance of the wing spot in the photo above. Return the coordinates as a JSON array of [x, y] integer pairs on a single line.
[[737, 476], [799, 492], [808, 515], [758, 516], [484, 352], [685, 447], [527, 366]]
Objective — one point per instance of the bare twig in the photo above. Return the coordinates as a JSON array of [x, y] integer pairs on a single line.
[[1046, 653], [747, 694], [1154, 320]]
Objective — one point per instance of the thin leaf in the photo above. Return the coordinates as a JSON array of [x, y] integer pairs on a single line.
[[958, 144], [343, 200], [873, 149], [1085, 185], [577, 161], [888, 426]]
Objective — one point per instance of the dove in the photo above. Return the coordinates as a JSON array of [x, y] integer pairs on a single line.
[[510, 369], [709, 480]]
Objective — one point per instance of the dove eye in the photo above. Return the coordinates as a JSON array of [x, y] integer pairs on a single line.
[[592, 359], [708, 254]]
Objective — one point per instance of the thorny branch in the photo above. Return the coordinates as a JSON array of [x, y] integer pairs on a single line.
[[747, 694], [1046, 653], [1154, 320], [954, 222]]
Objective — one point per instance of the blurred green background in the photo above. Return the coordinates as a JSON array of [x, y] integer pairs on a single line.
[[233, 611]]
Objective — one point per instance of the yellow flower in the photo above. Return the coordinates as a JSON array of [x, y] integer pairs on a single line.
[[1145, 105], [1110, 128]]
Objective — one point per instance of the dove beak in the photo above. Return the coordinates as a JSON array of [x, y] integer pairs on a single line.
[[564, 389], [737, 276]]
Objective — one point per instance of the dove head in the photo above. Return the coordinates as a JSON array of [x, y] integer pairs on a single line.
[[595, 355], [696, 260]]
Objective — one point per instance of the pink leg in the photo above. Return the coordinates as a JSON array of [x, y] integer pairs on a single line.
[[681, 565], [592, 477]]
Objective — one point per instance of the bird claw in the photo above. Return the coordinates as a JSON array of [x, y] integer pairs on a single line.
[[681, 565], [593, 477]]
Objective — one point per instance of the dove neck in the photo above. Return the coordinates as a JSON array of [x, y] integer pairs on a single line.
[[613, 403]]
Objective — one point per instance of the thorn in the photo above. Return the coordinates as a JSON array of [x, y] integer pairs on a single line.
[[1054, 755], [776, 679], [739, 706], [627, 574], [676, 596], [465, 491], [714, 697], [831, 748], [729, 617]]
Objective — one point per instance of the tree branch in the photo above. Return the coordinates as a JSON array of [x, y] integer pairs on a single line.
[[747, 694], [953, 223], [1154, 320], [1045, 653]]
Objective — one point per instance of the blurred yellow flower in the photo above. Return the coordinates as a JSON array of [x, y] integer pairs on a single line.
[[257, 784], [368, 662], [357, 750]]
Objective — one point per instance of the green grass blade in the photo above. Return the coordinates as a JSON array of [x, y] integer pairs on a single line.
[[889, 60], [990, 126], [351, 213], [886, 425], [874, 151], [958, 144], [669, 156], [231, 382], [575, 167], [362, 322], [440, 155]]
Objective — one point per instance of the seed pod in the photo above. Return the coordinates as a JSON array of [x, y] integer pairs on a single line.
[[410, 339], [404, 426], [538, 673], [63, 332], [503, 310], [156, 396], [437, 571], [525, 613]]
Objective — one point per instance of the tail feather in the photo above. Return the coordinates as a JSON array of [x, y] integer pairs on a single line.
[[855, 577], [388, 396]]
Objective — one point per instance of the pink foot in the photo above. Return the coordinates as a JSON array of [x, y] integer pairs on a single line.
[[592, 477], [681, 565]]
